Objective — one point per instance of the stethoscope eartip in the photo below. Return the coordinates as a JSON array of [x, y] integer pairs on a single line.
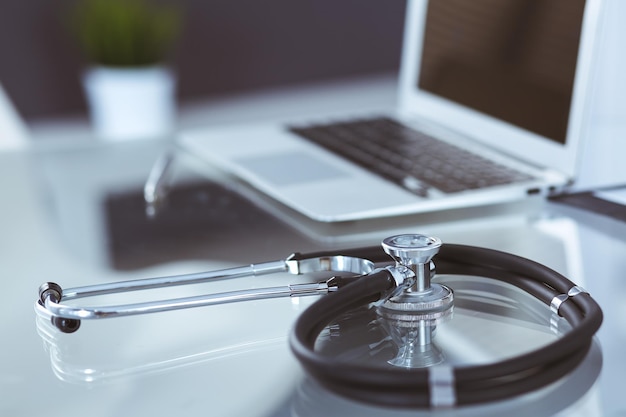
[[65, 325]]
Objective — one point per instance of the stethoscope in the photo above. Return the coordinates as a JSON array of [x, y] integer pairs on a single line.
[[404, 296]]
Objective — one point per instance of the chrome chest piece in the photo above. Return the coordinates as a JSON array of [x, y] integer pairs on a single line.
[[419, 298], [412, 312]]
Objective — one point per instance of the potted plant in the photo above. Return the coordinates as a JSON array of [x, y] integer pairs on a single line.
[[129, 87]]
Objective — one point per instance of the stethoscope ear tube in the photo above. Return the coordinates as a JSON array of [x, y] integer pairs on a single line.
[[414, 388]]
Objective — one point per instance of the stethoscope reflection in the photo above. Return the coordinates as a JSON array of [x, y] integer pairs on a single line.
[[109, 352], [93, 370]]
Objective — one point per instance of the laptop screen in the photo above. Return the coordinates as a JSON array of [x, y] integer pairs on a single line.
[[514, 60]]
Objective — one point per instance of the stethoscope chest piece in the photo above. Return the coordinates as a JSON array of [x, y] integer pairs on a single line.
[[416, 297]]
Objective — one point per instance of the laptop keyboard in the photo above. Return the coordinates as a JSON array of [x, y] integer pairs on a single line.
[[409, 158]]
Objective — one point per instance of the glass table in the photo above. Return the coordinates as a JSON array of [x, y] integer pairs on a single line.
[[76, 215]]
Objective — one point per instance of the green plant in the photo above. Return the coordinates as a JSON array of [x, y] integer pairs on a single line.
[[125, 33]]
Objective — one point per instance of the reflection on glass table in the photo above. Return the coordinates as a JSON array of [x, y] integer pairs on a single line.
[[111, 351], [491, 321]]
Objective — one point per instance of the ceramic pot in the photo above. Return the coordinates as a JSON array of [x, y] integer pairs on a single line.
[[130, 103]]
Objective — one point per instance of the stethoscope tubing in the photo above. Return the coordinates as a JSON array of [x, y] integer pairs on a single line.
[[472, 384]]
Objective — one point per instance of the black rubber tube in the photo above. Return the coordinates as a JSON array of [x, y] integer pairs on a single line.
[[473, 384]]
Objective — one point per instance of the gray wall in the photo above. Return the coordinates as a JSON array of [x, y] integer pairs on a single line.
[[226, 46]]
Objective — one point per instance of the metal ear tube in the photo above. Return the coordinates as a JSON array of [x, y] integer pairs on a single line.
[[53, 298]]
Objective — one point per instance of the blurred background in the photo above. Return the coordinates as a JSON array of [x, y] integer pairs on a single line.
[[224, 47]]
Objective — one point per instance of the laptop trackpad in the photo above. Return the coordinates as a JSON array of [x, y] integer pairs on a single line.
[[290, 168]]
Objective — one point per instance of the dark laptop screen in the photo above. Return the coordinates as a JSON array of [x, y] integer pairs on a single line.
[[514, 60]]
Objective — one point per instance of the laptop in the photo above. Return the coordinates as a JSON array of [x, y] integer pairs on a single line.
[[497, 86]]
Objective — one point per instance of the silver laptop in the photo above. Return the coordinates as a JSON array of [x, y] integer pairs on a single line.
[[495, 86]]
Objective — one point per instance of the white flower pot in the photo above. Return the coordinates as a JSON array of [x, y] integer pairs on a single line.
[[131, 103]]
